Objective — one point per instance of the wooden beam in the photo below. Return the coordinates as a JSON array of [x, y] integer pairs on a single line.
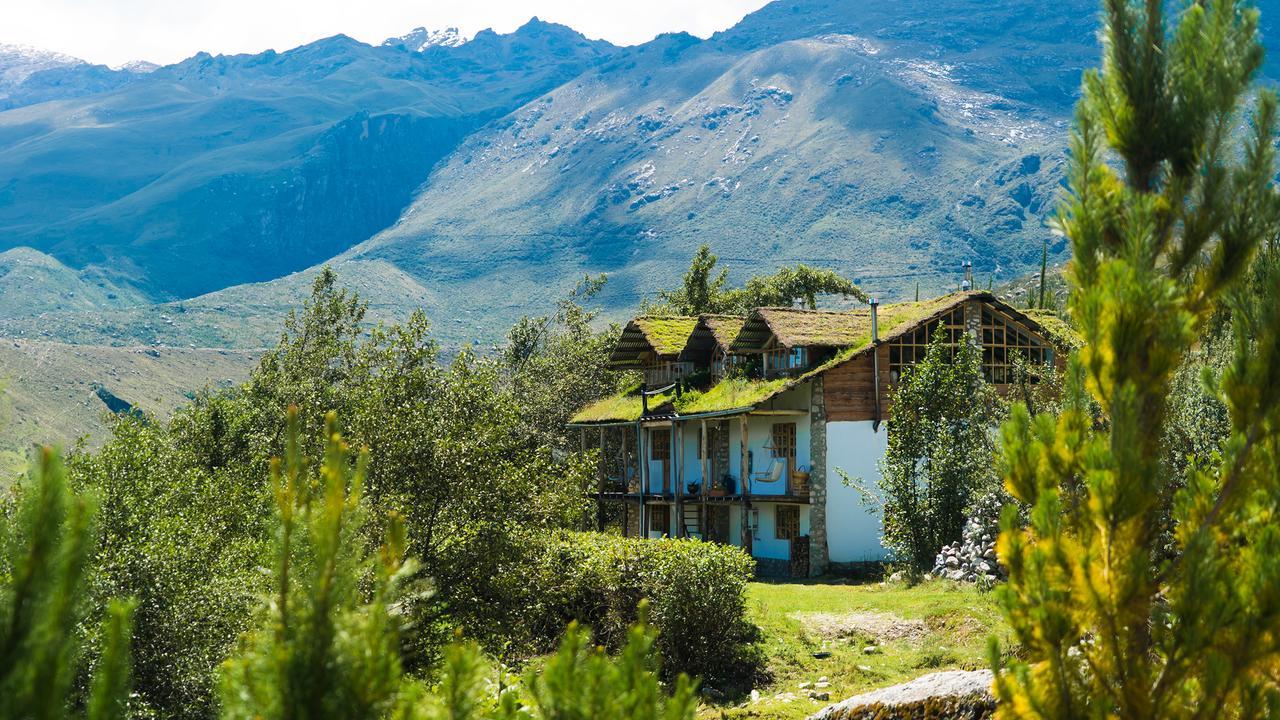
[[745, 485], [778, 412], [706, 481], [600, 473], [677, 476]]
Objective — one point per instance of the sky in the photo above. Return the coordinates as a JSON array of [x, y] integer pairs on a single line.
[[113, 32]]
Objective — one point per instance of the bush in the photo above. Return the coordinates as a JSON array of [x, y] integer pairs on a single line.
[[327, 637], [696, 592]]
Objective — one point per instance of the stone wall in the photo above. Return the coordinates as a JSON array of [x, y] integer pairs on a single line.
[[817, 479], [718, 441], [773, 568]]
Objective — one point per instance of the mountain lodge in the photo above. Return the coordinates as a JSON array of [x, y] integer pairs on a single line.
[[738, 429]]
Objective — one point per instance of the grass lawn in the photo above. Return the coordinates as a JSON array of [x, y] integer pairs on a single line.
[[937, 625]]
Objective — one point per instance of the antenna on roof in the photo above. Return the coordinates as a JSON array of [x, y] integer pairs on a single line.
[[968, 276]]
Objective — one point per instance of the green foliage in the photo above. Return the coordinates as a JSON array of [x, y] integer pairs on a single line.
[[1158, 247], [696, 592], [705, 291], [44, 546], [940, 450], [581, 683], [182, 529], [555, 364], [328, 642], [322, 651]]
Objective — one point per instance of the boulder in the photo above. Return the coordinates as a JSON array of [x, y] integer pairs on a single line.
[[949, 695]]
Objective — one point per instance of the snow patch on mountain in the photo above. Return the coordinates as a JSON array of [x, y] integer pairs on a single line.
[[420, 39], [138, 67], [19, 62]]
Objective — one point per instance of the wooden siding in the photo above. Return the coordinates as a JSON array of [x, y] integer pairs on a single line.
[[848, 389]]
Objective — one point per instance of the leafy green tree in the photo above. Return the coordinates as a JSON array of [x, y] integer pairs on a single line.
[[791, 284], [1160, 239], [45, 543], [181, 529], [703, 290], [941, 444], [706, 291], [555, 364], [328, 642]]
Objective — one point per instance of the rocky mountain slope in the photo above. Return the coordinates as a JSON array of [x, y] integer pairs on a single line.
[[889, 139], [222, 170]]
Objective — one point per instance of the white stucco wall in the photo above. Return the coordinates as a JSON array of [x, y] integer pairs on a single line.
[[853, 533], [765, 543]]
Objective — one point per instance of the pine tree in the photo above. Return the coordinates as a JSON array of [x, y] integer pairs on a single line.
[[322, 651], [1160, 239], [44, 547]]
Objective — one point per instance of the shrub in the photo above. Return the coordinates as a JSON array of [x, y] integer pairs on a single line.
[[326, 644], [696, 591]]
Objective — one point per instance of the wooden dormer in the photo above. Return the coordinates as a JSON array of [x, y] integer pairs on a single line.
[[709, 343], [792, 340], [652, 345]]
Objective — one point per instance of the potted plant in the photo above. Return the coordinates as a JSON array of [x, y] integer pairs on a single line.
[[695, 488]]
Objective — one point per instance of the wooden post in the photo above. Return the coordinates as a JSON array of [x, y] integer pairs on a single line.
[[706, 481], [745, 485], [582, 436], [677, 476], [644, 480], [600, 473]]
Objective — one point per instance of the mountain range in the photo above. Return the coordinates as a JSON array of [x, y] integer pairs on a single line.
[[480, 178]]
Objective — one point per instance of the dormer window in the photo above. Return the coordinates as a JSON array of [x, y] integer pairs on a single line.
[[780, 361], [661, 374]]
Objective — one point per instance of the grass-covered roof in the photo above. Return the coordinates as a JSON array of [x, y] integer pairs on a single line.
[[665, 337], [730, 394], [894, 321], [622, 407], [1057, 328], [796, 327], [712, 331]]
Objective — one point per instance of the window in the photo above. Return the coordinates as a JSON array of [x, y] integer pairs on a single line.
[[660, 374], [913, 346], [660, 518], [781, 360], [784, 441], [661, 443], [786, 522], [1002, 342]]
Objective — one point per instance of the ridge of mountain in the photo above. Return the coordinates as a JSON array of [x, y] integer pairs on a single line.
[[247, 167], [420, 39], [889, 140]]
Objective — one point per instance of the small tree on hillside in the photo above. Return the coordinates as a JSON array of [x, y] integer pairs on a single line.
[[1160, 238], [705, 291], [941, 442]]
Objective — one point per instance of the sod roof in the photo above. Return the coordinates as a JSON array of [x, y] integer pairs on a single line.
[[662, 336], [712, 331], [1056, 328], [623, 407], [894, 321], [796, 327]]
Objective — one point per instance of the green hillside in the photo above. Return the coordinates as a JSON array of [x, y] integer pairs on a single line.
[[55, 393]]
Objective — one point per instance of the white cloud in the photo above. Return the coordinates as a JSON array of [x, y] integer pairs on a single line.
[[164, 31]]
